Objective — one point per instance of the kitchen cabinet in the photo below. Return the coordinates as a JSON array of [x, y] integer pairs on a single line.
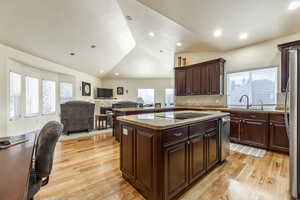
[[176, 169], [216, 78], [235, 129], [266, 131], [162, 163], [196, 83], [249, 128], [212, 146], [255, 133], [180, 82], [197, 157], [128, 153], [204, 81], [278, 135], [205, 78], [284, 48], [189, 81]]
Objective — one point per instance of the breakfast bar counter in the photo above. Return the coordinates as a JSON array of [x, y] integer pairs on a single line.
[[163, 154]]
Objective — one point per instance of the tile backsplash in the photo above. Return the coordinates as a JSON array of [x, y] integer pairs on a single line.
[[201, 100], [214, 100]]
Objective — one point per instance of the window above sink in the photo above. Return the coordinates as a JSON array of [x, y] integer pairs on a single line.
[[259, 84]]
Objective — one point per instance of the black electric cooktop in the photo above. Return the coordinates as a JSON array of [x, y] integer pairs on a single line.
[[184, 115]]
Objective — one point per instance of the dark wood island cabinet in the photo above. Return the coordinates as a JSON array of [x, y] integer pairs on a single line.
[[163, 161]]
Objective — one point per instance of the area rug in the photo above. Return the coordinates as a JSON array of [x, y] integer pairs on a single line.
[[84, 134], [252, 151]]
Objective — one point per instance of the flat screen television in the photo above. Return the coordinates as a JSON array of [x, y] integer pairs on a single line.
[[104, 93]]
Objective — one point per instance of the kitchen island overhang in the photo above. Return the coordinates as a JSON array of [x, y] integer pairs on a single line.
[[163, 154]]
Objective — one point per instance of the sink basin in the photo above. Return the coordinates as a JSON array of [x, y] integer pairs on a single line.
[[251, 108]]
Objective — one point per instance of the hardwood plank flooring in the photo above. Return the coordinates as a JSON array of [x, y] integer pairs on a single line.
[[88, 169]]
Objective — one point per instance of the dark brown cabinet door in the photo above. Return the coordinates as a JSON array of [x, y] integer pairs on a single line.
[[180, 82], [176, 169], [212, 145], [214, 79], [254, 133], [284, 68], [189, 81], [197, 157], [278, 137], [196, 81], [235, 130], [145, 146], [204, 81], [127, 151]]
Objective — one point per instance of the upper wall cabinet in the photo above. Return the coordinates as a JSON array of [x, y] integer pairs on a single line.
[[205, 78], [284, 48]]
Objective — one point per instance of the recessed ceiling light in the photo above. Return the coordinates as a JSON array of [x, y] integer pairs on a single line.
[[218, 32], [243, 36], [72, 54], [179, 44], [117, 74], [294, 5], [93, 46], [151, 34], [129, 18]]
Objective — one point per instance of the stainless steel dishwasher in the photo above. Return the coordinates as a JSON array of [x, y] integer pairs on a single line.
[[224, 137]]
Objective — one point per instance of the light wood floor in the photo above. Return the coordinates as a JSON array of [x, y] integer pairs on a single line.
[[88, 169]]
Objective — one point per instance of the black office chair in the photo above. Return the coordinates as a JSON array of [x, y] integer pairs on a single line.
[[43, 159]]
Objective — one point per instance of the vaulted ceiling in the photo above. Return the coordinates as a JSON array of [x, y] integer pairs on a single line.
[[54, 29]]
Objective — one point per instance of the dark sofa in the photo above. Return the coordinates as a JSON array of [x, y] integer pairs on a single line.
[[77, 116]]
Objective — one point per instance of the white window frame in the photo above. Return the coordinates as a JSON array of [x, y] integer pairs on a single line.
[[42, 97], [147, 89], [39, 96], [19, 115], [250, 70], [60, 99], [166, 95]]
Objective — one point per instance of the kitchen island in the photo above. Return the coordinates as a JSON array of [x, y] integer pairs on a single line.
[[163, 154]]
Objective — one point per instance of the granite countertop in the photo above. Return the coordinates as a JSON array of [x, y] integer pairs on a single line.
[[256, 109], [144, 108], [165, 120]]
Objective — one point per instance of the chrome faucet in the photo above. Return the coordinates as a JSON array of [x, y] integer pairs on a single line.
[[261, 104], [241, 99]]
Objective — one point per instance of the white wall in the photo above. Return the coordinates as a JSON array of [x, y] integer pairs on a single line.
[[264, 54], [12, 59], [132, 85]]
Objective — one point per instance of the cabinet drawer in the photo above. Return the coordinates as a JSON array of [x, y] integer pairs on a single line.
[[249, 115], [210, 125], [202, 127], [255, 116], [235, 115], [277, 118], [175, 135]]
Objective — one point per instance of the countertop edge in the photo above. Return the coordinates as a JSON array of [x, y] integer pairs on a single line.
[[178, 124]]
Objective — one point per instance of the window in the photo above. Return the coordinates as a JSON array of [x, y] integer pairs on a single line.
[[49, 97], [147, 95], [66, 92], [259, 85], [15, 95], [32, 96], [169, 96]]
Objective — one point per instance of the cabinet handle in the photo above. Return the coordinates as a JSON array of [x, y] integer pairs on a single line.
[[254, 123], [177, 134]]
